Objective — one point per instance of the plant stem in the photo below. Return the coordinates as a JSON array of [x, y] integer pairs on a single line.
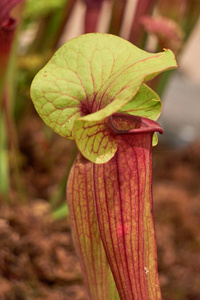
[[117, 16], [137, 33]]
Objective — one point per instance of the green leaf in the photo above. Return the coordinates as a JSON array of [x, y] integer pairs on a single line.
[[4, 159], [95, 140], [93, 136], [42, 7], [61, 212], [145, 104], [91, 73]]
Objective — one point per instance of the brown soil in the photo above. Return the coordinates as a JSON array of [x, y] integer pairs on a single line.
[[37, 259]]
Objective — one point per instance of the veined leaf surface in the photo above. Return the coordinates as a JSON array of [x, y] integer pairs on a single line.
[[123, 196], [96, 74], [86, 235]]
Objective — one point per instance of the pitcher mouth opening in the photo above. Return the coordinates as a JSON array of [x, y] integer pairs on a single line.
[[123, 123]]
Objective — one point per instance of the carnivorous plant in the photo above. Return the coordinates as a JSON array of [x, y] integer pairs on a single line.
[[93, 90]]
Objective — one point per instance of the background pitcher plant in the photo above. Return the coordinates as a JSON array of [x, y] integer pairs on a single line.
[[93, 91]]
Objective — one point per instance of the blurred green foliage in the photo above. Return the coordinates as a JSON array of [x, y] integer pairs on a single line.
[[42, 8]]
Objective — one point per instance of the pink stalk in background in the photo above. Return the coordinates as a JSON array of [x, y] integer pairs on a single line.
[[117, 16], [93, 10], [7, 34], [143, 8], [7, 31], [169, 33]]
